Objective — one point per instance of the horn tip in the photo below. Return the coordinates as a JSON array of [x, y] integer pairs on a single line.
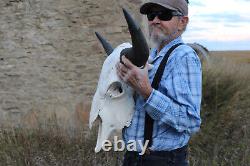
[[130, 21], [97, 34], [125, 12]]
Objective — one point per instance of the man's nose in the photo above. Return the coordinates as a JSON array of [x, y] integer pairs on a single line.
[[156, 20]]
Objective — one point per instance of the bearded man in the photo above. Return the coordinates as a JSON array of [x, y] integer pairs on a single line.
[[168, 96]]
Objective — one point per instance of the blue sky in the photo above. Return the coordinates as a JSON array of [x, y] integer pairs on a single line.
[[219, 24]]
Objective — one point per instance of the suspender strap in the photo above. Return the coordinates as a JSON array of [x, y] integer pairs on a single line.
[[148, 127]]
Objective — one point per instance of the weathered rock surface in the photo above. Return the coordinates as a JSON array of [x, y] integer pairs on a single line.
[[50, 58]]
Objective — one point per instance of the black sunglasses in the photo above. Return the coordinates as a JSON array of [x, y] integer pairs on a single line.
[[165, 15]]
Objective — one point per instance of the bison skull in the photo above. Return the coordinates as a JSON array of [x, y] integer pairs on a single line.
[[113, 103]]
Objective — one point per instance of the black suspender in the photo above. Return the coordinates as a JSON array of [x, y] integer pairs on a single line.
[[148, 128]]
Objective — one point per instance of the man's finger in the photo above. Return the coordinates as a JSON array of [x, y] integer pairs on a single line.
[[121, 68], [119, 72], [124, 69], [127, 62]]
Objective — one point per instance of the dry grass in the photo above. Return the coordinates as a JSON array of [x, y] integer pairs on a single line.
[[52, 146], [223, 139], [225, 131], [240, 57]]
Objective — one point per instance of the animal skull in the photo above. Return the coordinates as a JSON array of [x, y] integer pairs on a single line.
[[113, 103]]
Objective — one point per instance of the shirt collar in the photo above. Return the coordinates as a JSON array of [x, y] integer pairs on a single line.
[[154, 55]]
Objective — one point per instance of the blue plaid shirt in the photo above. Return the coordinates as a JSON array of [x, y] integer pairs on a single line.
[[175, 106]]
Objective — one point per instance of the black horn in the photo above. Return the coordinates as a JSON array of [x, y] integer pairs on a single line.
[[139, 53], [107, 47]]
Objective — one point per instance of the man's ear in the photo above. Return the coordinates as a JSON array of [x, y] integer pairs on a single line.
[[183, 23]]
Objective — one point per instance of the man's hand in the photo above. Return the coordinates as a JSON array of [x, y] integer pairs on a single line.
[[135, 77]]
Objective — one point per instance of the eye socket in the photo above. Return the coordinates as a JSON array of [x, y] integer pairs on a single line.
[[115, 90], [120, 89]]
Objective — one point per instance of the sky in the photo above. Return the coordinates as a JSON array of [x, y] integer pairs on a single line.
[[219, 24]]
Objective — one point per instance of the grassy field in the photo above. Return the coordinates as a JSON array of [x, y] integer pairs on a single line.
[[224, 138], [225, 131], [242, 57]]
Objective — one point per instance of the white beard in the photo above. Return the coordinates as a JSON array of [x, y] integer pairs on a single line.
[[156, 39]]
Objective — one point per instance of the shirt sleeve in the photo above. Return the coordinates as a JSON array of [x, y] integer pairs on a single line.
[[181, 109]]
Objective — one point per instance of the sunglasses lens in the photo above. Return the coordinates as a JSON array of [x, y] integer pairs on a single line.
[[151, 16], [162, 15], [165, 16]]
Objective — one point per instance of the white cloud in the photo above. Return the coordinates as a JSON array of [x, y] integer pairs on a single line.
[[218, 21]]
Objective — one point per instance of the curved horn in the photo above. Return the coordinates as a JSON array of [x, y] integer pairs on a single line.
[[107, 47], [201, 51], [139, 53]]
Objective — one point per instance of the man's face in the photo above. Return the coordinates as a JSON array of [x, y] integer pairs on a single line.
[[161, 31]]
